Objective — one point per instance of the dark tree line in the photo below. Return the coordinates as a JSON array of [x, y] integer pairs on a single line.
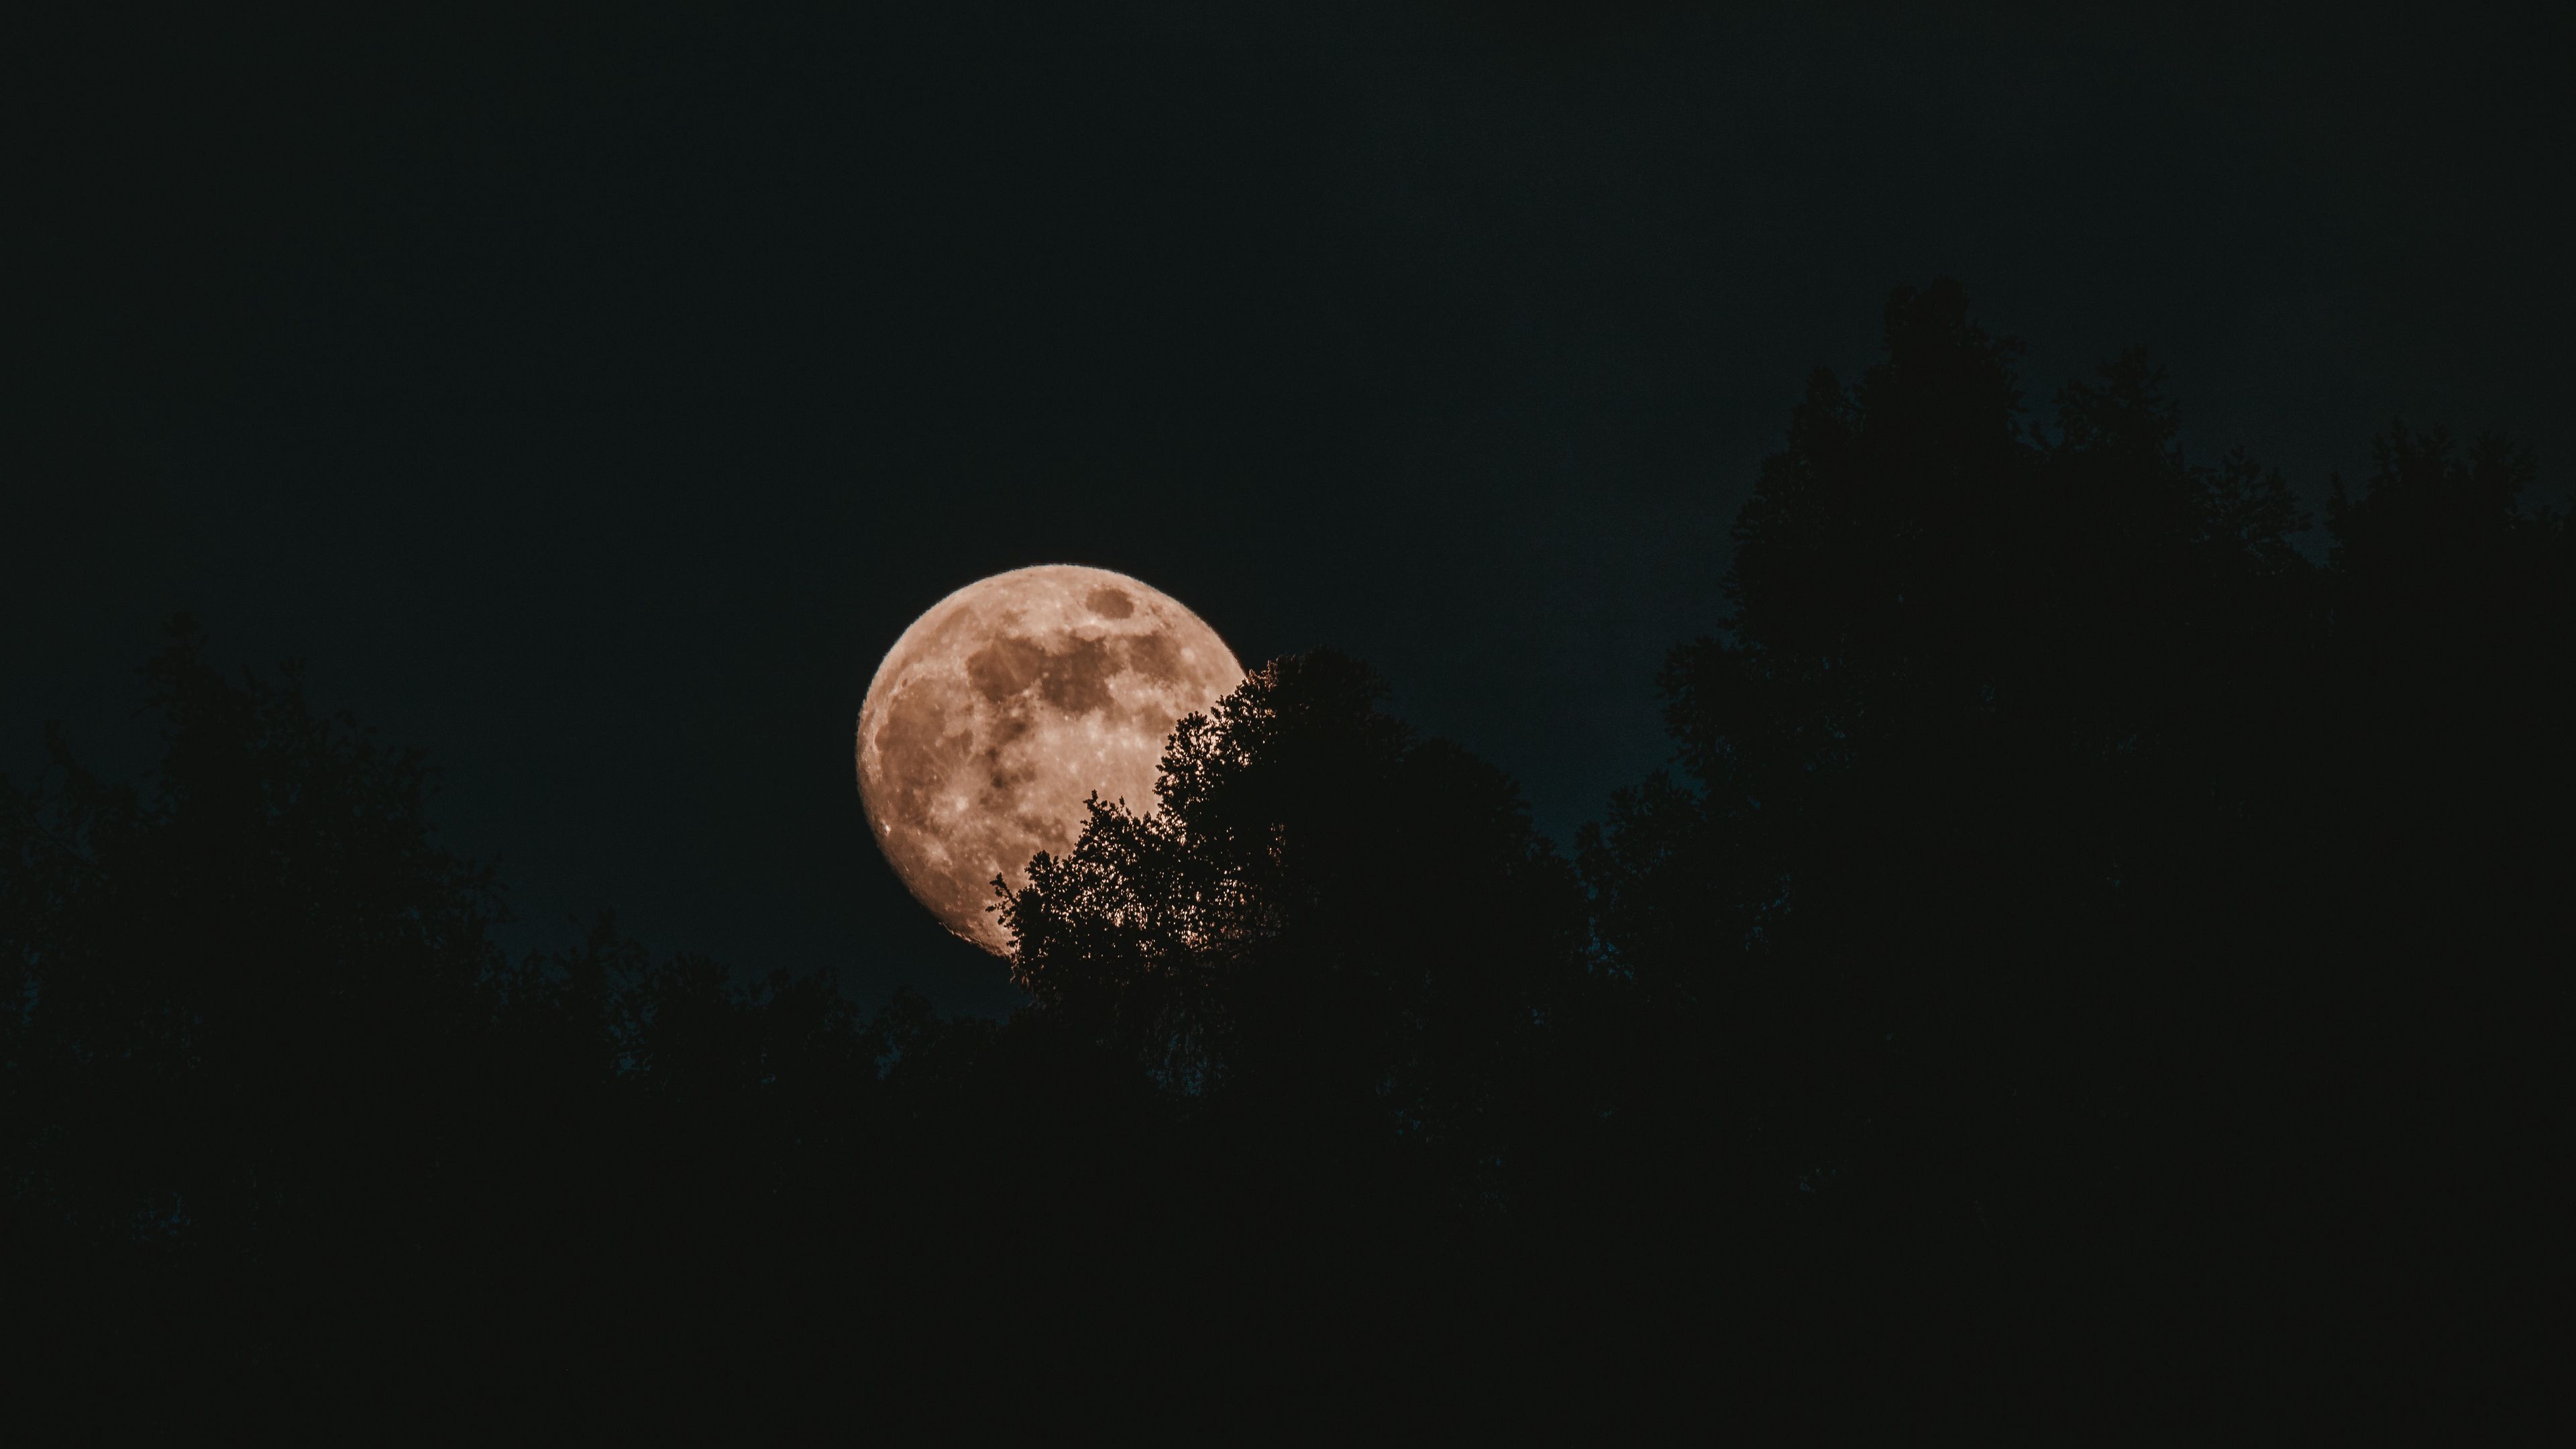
[[2085, 958]]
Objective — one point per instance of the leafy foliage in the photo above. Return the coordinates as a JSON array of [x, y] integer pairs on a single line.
[[1325, 918]]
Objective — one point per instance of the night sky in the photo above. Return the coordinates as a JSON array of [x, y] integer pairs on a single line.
[[592, 397]]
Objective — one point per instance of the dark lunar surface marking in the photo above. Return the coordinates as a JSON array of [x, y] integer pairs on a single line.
[[1078, 679], [1006, 666], [1153, 655]]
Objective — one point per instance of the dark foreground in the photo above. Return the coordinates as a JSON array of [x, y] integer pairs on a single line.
[[2091, 967]]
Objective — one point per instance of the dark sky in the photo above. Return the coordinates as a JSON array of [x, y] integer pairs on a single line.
[[593, 394]]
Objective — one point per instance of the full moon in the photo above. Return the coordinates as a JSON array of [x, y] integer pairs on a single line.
[[1000, 710]]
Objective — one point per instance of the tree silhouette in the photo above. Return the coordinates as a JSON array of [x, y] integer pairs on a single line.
[[189, 962], [1327, 929], [2049, 867], [278, 1113]]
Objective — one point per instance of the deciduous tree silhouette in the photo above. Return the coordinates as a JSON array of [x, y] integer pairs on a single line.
[[2052, 837], [189, 963], [1327, 930], [278, 1115]]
